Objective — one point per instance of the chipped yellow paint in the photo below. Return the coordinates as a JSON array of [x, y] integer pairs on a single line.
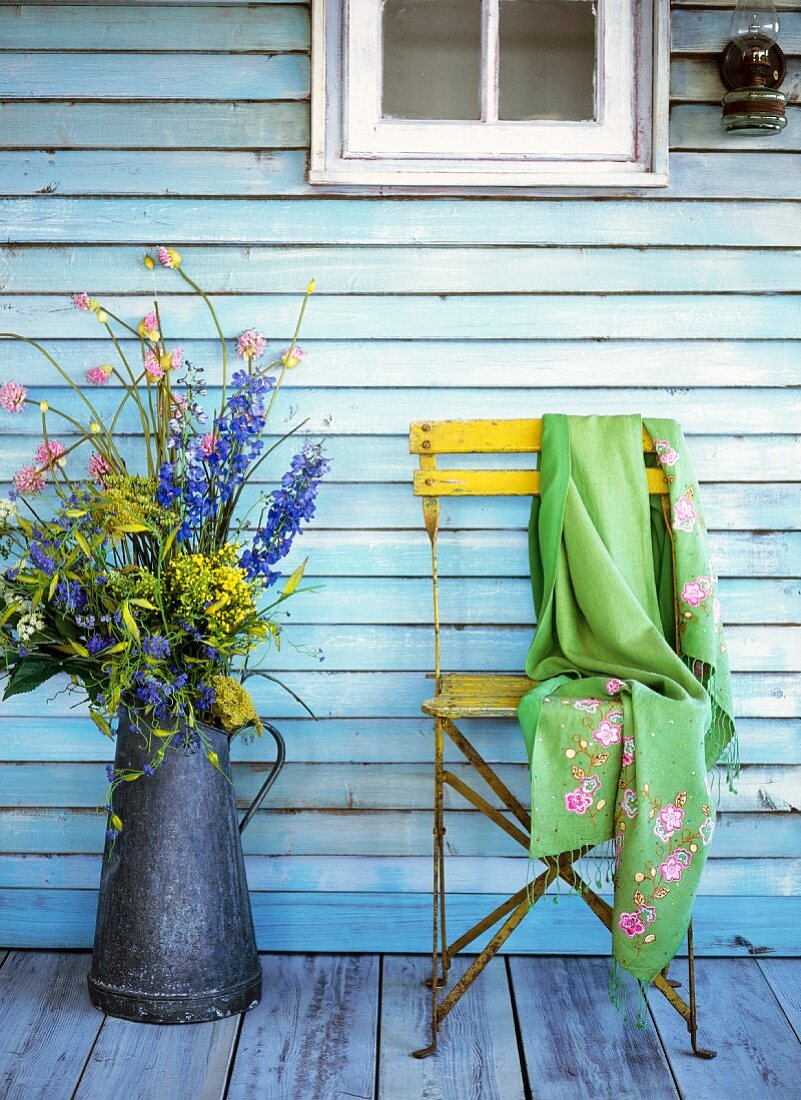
[[477, 695]]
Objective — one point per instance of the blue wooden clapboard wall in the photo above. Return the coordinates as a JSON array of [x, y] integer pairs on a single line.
[[681, 303]]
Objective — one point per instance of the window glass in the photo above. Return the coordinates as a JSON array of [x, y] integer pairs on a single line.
[[432, 59], [547, 60]]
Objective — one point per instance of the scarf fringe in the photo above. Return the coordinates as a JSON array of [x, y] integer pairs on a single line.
[[623, 987], [722, 739]]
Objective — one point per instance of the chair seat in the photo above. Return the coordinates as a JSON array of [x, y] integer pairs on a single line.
[[478, 695]]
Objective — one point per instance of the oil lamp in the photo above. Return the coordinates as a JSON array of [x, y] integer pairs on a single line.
[[753, 67]]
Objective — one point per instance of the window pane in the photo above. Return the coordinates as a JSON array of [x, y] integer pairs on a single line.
[[432, 59], [547, 59]]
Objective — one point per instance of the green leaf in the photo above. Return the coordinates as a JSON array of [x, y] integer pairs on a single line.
[[295, 579], [30, 673], [130, 622], [83, 543], [101, 723]]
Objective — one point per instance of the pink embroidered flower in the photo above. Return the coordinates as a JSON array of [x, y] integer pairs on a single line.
[[207, 445], [606, 733], [589, 706], [671, 818], [12, 397], [696, 591], [153, 368], [665, 453], [591, 784], [577, 802], [30, 481], [176, 358], [250, 344], [628, 751], [149, 326], [290, 361], [99, 467], [631, 924], [628, 803], [614, 686], [97, 376], [671, 870], [82, 301], [168, 257], [51, 453], [684, 515]]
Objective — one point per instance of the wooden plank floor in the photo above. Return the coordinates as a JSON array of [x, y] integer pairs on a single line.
[[340, 1027]]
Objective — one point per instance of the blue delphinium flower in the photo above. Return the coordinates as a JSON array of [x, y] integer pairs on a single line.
[[39, 556], [167, 491], [110, 772], [205, 696], [148, 770], [69, 596], [154, 645], [290, 506], [97, 643]]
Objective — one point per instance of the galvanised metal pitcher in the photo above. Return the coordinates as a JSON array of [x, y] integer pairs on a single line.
[[174, 939]]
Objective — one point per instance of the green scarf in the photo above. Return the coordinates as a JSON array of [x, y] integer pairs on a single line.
[[620, 729]]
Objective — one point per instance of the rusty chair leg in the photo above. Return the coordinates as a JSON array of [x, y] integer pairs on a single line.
[[438, 905], [692, 1023]]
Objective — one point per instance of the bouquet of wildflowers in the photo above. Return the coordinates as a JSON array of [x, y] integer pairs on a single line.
[[150, 590]]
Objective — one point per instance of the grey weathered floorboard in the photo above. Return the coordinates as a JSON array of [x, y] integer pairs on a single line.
[[759, 1056], [313, 1037], [47, 1024], [156, 1061], [477, 1059], [575, 1042], [784, 978]]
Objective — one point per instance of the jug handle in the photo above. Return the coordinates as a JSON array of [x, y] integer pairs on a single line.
[[280, 758]]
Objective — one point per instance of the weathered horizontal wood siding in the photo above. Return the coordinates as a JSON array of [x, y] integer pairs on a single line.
[[124, 125]]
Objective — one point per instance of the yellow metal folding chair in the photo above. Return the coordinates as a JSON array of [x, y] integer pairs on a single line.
[[461, 696]]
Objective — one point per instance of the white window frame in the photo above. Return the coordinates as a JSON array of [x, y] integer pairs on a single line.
[[354, 148]]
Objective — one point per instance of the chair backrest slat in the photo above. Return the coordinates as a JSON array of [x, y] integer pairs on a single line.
[[429, 438], [498, 483]]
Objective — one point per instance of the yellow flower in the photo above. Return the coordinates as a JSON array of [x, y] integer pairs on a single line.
[[94, 305], [94, 427], [312, 286], [43, 406], [166, 361], [102, 316], [290, 361], [149, 263], [233, 705]]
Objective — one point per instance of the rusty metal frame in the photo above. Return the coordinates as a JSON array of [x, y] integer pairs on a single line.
[[515, 908], [512, 911]]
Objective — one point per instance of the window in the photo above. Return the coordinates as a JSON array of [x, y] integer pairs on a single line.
[[452, 94]]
